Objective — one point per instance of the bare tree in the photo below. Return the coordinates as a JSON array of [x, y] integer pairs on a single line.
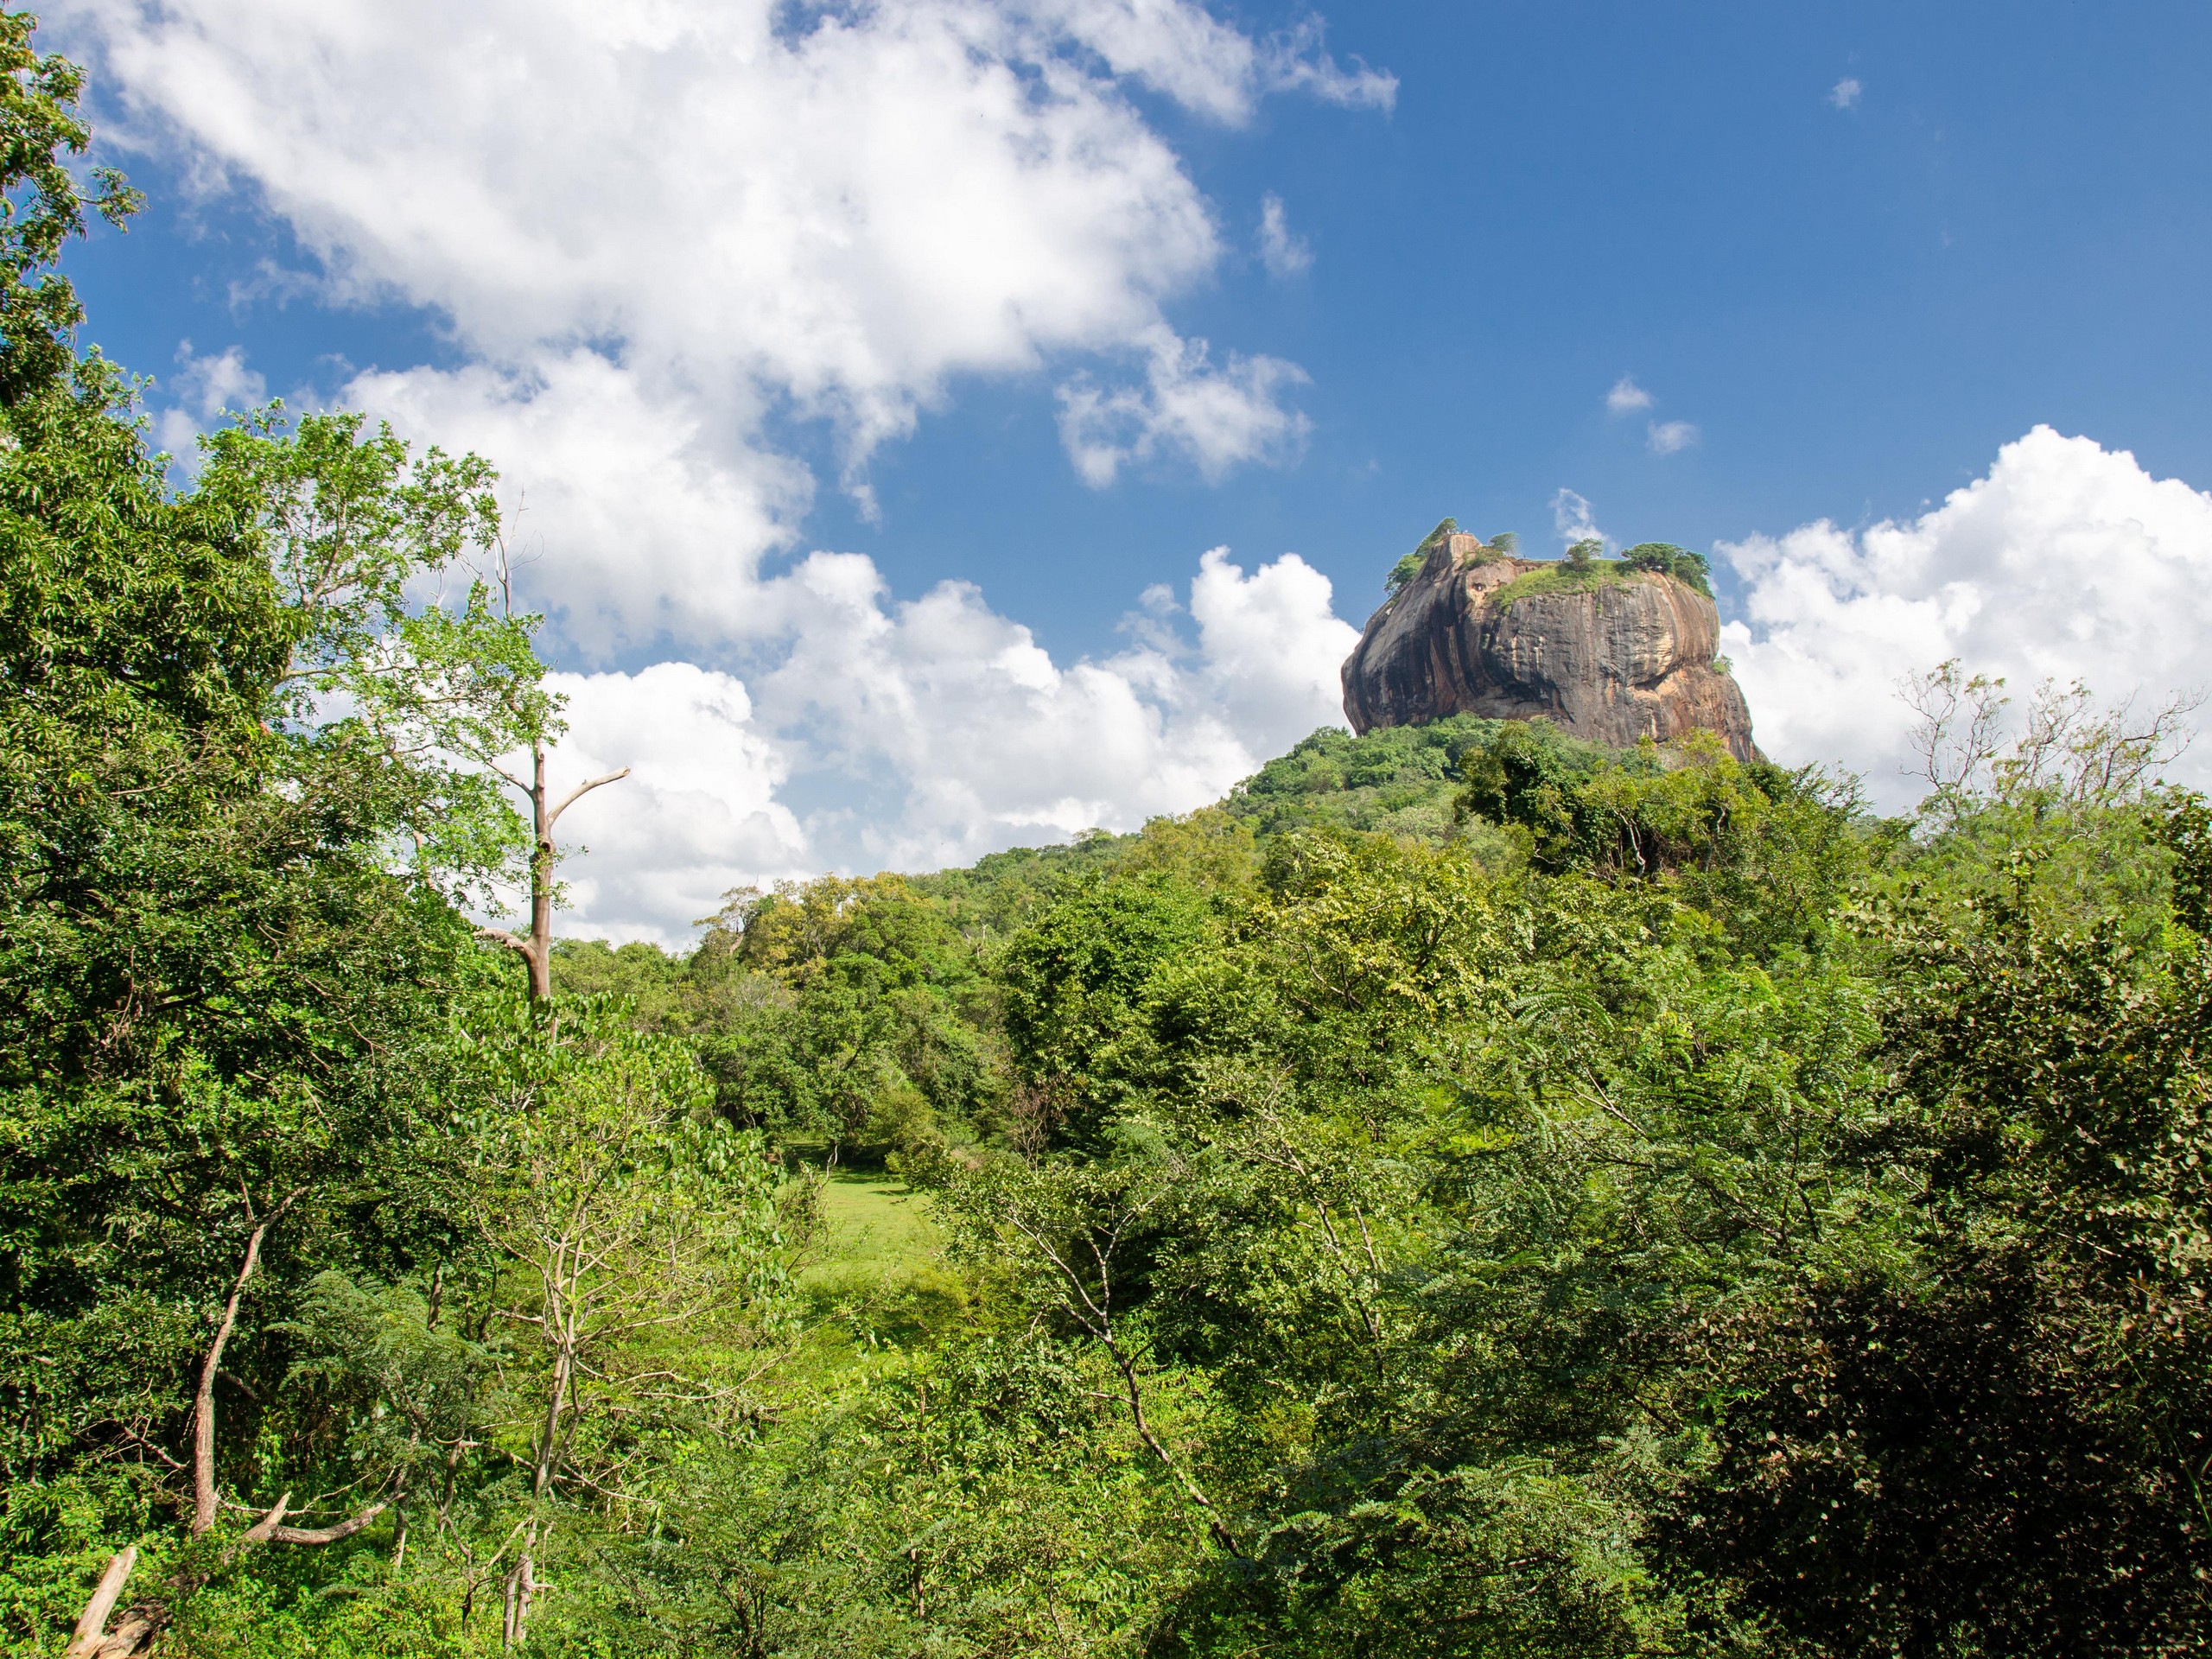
[[2070, 749], [143, 1623], [536, 945], [1960, 731], [2093, 757]]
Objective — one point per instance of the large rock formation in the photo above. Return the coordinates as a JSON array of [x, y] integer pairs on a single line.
[[1629, 656]]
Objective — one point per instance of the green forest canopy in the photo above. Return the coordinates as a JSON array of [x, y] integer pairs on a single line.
[[1469, 1192]]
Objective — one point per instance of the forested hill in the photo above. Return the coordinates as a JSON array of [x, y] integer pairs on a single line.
[[1501, 1195], [1468, 1193]]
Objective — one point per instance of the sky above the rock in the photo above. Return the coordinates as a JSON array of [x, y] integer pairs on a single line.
[[943, 426]]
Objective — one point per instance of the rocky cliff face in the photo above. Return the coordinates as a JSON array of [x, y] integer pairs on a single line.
[[1628, 658]]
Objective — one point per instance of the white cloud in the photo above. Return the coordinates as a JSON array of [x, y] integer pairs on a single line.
[[697, 815], [1626, 397], [1180, 49], [2066, 561], [845, 212], [929, 733], [1664, 437], [1845, 93], [201, 392], [635, 522], [1282, 252], [1215, 418], [1294, 62], [1571, 519]]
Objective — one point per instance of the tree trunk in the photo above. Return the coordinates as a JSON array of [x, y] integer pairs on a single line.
[[536, 946], [523, 1579], [539, 955], [205, 1507], [514, 1624]]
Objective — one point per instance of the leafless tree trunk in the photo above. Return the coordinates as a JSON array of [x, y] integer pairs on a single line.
[[523, 1580], [535, 947], [205, 1506], [92, 1626], [146, 1620]]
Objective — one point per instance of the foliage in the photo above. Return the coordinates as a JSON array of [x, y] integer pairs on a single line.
[[1664, 558], [1403, 572], [39, 129], [1585, 569], [1563, 576], [1398, 780], [1765, 850]]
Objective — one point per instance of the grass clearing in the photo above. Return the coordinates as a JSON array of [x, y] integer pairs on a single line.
[[881, 1266], [1562, 577]]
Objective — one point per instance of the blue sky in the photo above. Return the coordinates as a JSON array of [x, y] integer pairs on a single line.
[[1853, 252]]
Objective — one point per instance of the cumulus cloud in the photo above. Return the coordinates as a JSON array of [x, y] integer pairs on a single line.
[[1282, 252], [845, 212], [698, 814], [1217, 418], [2066, 561], [987, 739], [203, 389], [1844, 94], [915, 735], [634, 520], [1572, 518], [1626, 397], [1667, 437]]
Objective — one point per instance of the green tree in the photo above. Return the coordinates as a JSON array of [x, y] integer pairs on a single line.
[[640, 1255], [450, 688], [40, 130], [1998, 1444]]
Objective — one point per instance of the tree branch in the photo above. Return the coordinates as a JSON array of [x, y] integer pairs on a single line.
[[331, 1535], [205, 1506], [267, 1528], [92, 1627], [578, 793]]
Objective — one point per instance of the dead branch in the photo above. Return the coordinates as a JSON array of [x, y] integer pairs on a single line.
[[91, 1626], [330, 1535], [579, 791], [205, 1505]]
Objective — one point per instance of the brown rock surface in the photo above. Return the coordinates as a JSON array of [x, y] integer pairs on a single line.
[[1630, 658]]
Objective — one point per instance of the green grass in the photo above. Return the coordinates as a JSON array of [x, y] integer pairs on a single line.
[[1560, 577], [879, 1269], [875, 1228]]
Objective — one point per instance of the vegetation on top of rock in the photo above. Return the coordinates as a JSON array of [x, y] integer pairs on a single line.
[[1403, 572], [1583, 570], [1668, 560], [1564, 576]]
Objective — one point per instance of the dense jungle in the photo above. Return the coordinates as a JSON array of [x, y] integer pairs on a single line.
[[1467, 1192]]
